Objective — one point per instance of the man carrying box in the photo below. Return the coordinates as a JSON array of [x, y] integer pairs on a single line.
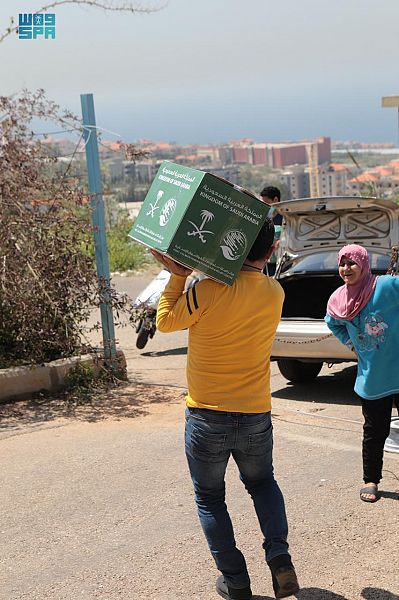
[[231, 331]]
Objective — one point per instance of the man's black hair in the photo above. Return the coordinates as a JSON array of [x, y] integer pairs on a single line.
[[271, 192], [263, 242]]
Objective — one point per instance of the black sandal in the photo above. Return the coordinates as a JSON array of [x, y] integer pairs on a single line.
[[372, 490]]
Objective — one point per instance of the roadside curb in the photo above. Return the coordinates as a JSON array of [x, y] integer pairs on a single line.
[[18, 383]]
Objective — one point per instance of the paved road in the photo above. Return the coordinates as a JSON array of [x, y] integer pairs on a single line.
[[98, 503]]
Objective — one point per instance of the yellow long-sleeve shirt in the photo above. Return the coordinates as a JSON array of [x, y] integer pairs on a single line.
[[231, 331]]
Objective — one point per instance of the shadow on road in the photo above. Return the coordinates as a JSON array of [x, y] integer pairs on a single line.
[[336, 387], [129, 401], [171, 352], [389, 495], [378, 594], [318, 594]]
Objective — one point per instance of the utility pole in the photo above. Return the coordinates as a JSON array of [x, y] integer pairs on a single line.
[[100, 236], [391, 102]]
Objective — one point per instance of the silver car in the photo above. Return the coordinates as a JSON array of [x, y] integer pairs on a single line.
[[313, 232]]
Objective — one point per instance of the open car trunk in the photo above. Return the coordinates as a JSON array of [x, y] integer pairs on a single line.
[[313, 232], [307, 297], [303, 341]]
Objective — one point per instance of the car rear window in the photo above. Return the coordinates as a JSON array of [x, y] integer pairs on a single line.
[[326, 262]]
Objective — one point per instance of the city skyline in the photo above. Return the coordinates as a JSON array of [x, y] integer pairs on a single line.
[[218, 70]]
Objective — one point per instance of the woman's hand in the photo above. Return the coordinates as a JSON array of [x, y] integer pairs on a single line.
[[171, 265]]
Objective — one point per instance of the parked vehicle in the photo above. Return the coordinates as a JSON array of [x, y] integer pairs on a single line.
[[314, 230], [145, 308], [146, 304]]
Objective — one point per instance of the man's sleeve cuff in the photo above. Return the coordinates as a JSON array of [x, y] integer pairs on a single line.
[[177, 281]]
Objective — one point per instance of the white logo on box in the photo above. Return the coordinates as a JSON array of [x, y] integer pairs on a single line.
[[155, 206], [167, 211], [206, 216], [233, 244]]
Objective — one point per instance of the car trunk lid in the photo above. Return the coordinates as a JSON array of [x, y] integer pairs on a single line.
[[330, 223]]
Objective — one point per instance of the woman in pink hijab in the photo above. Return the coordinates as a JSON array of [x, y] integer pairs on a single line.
[[364, 315]]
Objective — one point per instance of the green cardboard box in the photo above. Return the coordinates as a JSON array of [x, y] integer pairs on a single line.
[[199, 220]]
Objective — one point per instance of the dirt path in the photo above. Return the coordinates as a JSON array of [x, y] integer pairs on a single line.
[[96, 502]]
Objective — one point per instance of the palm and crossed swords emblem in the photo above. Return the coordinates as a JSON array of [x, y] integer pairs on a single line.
[[155, 206], [206, 216]]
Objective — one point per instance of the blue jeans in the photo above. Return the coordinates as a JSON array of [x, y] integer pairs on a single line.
[[211, 437]]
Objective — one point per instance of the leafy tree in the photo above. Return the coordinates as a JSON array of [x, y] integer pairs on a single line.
[[48, 282]]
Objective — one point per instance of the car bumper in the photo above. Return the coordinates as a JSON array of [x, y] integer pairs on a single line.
[[309, 339]]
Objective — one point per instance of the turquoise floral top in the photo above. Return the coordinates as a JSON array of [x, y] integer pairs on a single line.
[[374, 335]]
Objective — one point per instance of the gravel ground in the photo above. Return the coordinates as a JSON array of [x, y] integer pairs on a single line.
[[96, 501]]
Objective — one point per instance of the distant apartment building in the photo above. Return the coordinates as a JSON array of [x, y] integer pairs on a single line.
[[226, 155], [190, 160], [298, 153], [116, 168], [142, 172], [332, 180], [379, 181], [262, 154], [296, 182], [277, 156], [138, 178], [371, 184], [230, 173], [242, 155], [211, 153]]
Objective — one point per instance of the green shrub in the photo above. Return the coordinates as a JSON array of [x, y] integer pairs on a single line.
[[81, 377], [48, 285], [124, 253], [48, 280], [80, 384]]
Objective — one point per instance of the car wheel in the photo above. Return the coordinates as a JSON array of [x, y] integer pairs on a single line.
[[297, 371]]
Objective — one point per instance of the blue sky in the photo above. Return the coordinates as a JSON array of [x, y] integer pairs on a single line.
[[214, 70]]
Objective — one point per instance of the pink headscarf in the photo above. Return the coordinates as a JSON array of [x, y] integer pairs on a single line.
[[348, 300]]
